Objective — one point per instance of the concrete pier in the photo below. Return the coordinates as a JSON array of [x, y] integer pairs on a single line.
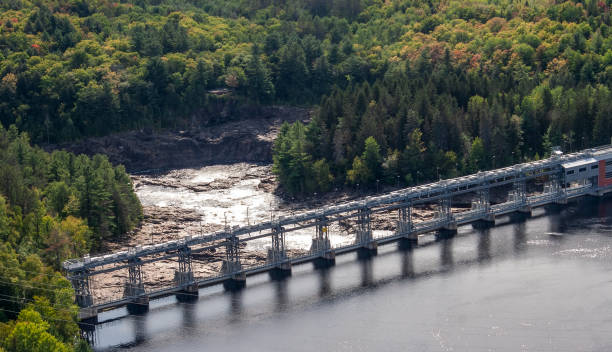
[[189, 290], [236, 282], [188, 294], [407, 243], [138, 305], [368, 250], [326, 260], [281, 271], [526, 211], [484, 223], [88, 315], [446, 233]]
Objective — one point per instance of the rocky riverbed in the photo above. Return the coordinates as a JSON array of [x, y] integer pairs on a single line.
[[202, 200]]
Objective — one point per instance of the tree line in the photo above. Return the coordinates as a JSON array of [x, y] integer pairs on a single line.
[[470, 86], [53, 206], [432, 119], [72, 68]]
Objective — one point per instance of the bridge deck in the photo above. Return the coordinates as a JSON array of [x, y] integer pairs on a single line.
[[425, 227], [79, 270]]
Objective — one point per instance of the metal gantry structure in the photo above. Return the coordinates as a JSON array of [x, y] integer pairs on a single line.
[[560, 186]]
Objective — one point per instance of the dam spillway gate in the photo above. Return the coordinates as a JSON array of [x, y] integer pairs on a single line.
[[564, 177]]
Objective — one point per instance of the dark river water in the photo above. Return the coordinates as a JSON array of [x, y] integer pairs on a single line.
[[540, 284]]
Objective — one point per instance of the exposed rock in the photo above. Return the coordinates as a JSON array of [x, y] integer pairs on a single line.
[[246, 140]]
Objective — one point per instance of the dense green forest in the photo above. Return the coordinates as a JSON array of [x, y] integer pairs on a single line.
[[468, 86], [443, 87], [52, 207], [74, 68]]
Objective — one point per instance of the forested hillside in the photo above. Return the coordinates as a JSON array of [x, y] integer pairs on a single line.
[[467, 86], [74, 68], [442, 87], [52, 207]]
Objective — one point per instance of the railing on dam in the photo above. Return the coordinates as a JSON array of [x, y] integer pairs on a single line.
[[357, 215]]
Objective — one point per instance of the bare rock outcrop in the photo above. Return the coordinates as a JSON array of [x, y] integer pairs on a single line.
[[246, 140]]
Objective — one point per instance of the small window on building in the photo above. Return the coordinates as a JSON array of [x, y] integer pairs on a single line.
[[593, 167], [609, 162], [582, 169], [571, 172], [609, 174]]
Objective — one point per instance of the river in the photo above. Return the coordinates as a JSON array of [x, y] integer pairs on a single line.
[[542, 283]]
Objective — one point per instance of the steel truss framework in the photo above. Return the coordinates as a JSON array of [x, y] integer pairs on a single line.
[[80, 270], [134, 287], [183, 276], [277, 253], [321, 243]]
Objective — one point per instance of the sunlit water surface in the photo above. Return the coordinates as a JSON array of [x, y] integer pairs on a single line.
[[241, 201]]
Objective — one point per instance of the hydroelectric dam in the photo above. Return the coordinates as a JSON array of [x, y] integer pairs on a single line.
[[564, 177]]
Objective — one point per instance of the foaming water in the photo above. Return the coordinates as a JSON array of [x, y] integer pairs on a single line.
[[234, 196], [539, 284], [214, 205]]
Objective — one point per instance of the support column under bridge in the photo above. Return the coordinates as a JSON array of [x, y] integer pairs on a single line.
[[277, 254], [183, 276], [363, 236], [518, 195], [481, 205], [321, 246], [405, 228], [232, 266], [445, 215], [554, 188], [82, 294], [134, 288]]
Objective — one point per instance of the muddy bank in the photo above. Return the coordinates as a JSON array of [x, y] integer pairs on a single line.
[[247, 140]]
